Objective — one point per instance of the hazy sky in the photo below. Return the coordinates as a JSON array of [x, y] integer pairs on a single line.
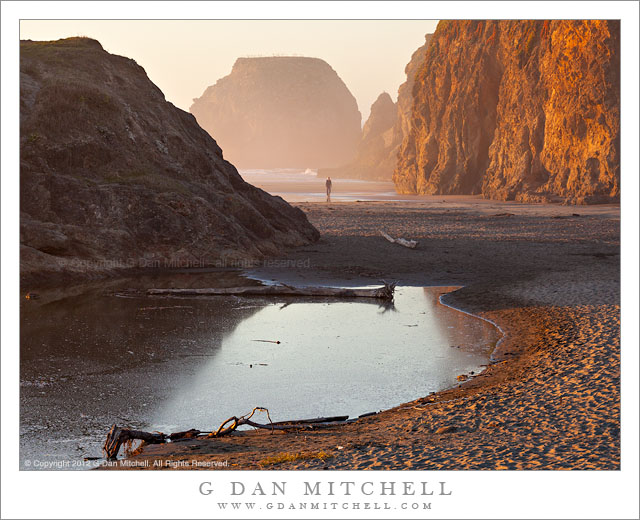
[[184, 57]]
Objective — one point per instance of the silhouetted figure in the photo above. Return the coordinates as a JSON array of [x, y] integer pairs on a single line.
[[328, 185]]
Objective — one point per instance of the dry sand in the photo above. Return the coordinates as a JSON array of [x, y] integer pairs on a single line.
[[547, 275]]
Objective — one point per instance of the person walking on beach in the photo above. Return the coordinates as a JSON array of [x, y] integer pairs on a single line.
[[328, 185]]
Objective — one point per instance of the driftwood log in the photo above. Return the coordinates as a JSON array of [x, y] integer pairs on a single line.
[[411, 244], [118, 436], [234, 422], [384, 293]]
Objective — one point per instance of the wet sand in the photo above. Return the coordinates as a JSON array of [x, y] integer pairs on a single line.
[[547, 275], [296, 186]]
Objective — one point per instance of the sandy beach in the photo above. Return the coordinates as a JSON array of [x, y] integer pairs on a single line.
[[547, 275]]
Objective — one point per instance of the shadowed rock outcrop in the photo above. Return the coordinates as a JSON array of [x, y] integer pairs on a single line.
[[517, 110], [384, 131], [279, 112], [113, 176]]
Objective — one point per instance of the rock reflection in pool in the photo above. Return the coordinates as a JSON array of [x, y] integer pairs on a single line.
[[334, 358], [90, 360]]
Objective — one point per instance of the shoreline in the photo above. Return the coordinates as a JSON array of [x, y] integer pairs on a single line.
[[495, 325], [255, 450], [473, 205], [551, 285], [547, 277]]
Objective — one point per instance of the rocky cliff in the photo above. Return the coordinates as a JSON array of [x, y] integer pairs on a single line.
[[384, 131], [373, 160], [114, 176], [517, 110], [281, 112]]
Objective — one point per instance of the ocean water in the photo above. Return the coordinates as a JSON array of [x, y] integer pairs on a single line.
[[94, 359], [304, 185]]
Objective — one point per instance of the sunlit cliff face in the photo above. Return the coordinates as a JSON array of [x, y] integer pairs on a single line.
[[281, 112], [517, 110]]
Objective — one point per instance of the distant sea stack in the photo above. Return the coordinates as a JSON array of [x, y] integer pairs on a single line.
[[373, 160], [384, 131], [517, 110], [113, 176], [281, 112]]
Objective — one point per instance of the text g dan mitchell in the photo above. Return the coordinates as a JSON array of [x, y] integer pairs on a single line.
[[342, 488]]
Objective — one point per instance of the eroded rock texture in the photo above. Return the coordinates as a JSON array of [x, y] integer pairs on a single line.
[[114, 176], [517, 110], [384, 131], [281, 112]]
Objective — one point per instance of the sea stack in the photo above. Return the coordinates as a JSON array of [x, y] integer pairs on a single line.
[[113, 176], [373, 160], [517, 110], [281, 112], [384, 131]]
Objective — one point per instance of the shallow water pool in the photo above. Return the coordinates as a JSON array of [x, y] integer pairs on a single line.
[[171, 364]]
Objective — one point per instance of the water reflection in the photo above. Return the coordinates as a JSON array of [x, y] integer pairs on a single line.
[[333, 359], [90, 360]]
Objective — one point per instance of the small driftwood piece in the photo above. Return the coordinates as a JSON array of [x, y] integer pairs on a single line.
[[118, 436], [337, 418], [189, 434], [411, 244], [383, 293]]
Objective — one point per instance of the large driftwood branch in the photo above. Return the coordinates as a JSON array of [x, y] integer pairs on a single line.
[[411, 244], [118, 436], [383, 293], [239, 421], [282, 425]]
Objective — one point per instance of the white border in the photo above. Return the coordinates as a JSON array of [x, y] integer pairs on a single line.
[[174, 495]]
